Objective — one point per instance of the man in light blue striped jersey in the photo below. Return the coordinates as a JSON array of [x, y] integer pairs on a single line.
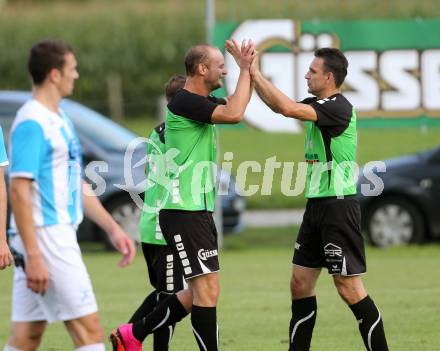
[[48, 197]]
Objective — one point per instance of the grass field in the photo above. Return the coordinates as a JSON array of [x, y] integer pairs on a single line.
[[248, 144], [254, 306]]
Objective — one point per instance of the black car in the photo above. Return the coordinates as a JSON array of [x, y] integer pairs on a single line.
[[116, 179], [407, 209]]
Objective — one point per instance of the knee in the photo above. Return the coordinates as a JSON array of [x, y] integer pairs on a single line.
[[186, 299], [206, 292], [300, 288], [348, 292], [212, 292], [343, 291]]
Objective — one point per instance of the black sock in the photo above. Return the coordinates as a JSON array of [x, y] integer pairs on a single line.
[[205, 328], [370, 324], [162, 336], [168, 312], [145, 308], [302, 323]]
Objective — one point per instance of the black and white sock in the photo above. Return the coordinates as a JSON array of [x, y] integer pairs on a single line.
[[205, 328], [145, 308], [162, 336], [370, 324], [302, 323], [167, 313]]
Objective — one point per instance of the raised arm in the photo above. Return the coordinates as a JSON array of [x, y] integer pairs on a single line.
[[235, 107], [276, 100]]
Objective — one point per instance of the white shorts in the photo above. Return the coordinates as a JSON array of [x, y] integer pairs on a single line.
[[70, 293]]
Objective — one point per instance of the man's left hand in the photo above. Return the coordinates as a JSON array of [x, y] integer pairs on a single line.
[[123, 243], [6, 258]]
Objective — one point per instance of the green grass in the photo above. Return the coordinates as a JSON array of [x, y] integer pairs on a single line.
[[248, 144], [254, 307]]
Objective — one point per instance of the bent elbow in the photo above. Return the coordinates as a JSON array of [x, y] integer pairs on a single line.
[[17, 192], [233, 117], [14, 193], [237, 118], [285, 111]]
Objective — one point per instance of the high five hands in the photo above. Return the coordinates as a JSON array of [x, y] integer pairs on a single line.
[[245, 55]]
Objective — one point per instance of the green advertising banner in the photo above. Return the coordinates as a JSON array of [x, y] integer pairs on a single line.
[[394, 67]]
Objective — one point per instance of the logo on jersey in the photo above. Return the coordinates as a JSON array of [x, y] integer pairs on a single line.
[[332, 250], [205, 254], [322, 101]]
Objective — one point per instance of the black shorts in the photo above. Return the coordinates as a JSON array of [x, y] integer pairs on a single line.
[[193, 237], [164, 271], [330, 236]]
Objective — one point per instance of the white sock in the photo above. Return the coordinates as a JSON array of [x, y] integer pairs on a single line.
[[10, 348], [92, 347]]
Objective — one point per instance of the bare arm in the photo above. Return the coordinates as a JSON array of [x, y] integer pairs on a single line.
[[94, 210], [277, 101], [233, 111], [36, 269], [5, 253]]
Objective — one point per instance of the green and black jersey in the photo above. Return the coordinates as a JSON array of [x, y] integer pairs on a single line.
[[155, 190], [190, 141], [330, 148]]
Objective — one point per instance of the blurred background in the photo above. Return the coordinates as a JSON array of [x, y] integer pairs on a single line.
[[135, 45], [128, 49]]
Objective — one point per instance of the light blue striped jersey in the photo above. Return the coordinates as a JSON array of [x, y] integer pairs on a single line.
[[45, 148], [3, 156]]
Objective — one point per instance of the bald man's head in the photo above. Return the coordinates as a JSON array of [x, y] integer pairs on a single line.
[[196, 55]]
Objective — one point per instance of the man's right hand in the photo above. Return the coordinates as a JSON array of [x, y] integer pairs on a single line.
[[242, 55], [6, 258], [248, 54], [37, 275]]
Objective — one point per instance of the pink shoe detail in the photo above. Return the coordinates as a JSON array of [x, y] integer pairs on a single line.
[[124, 335]]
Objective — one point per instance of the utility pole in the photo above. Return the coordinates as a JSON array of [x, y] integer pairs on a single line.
[[210, 21], [218, 214]]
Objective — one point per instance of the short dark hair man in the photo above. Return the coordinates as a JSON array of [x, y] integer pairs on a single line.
[[330, 232], [186, 218], [48, 199], [173, 85]]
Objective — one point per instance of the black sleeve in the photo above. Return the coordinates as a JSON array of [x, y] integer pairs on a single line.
[[196, 107], [334, 114], [218, 101], [308, 100]]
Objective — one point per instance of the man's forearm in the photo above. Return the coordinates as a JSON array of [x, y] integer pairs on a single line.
[[270, 94], [238, 101], [94, 210], [279, 102], [3, 208], [21, 205]]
